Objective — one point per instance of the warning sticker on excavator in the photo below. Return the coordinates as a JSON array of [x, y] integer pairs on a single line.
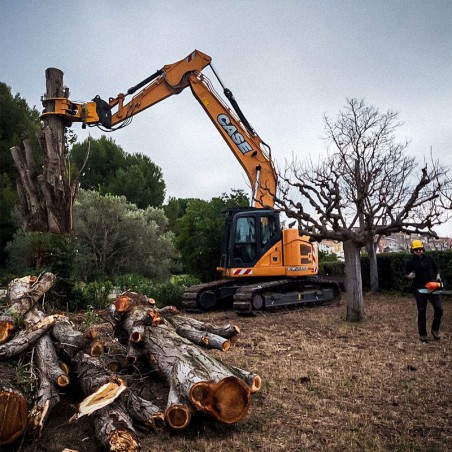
[[242, 271]]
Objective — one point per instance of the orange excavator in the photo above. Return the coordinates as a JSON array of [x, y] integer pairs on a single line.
[[263, 265]]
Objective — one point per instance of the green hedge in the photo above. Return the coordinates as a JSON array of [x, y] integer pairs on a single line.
[[390, 269]]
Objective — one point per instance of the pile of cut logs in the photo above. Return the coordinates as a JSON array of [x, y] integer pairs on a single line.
[[103, 357]]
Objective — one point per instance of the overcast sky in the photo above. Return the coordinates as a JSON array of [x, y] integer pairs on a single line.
[[287, 62]]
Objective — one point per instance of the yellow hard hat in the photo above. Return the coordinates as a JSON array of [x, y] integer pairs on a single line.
[[416, 244]]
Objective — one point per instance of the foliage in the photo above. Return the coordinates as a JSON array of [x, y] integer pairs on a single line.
[[25, 380], [110, 170], [36, 252], [175, 209], [97, 293], [17, 122], [329, 268], [170, 292], [199, 240], [116, 237], [141, 182], [327, 257], [91, 318]]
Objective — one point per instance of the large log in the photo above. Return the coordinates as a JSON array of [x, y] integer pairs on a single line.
[[47, 398], [112, 405], [196, 380], [23, 293], [114, 429], [26, 338], [195, 376]]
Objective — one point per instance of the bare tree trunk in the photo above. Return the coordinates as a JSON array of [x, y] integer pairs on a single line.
[[373, 265], [46, 200], [353, 282]]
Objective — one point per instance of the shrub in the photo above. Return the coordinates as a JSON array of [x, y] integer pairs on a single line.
[[96, 294], [390, 270], [165, 293], [332, 268]]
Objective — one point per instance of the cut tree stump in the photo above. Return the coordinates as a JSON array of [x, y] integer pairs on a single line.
[[13, 415]]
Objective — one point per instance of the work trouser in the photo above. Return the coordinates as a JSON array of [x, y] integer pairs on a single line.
[[422, 300]]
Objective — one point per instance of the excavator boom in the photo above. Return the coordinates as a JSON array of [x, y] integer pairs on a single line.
[[252, 153]]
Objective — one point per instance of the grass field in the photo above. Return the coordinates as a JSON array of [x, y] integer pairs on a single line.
[[327, 385]]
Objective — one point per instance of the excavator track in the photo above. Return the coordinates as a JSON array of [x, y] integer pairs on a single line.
[[284, 292], [247, 299], [205, 297]]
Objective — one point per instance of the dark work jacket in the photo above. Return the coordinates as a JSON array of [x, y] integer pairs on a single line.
[[425, 268]]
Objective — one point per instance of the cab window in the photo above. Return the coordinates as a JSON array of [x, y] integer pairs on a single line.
[[245, 239], [267, 229]]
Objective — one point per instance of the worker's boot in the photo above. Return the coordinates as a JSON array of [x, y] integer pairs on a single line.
[[423, 339], [435, 334]]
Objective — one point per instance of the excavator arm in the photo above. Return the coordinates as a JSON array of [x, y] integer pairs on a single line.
[[252, 153]]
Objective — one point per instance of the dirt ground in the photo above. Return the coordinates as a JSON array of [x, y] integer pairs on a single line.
[[327, 385]]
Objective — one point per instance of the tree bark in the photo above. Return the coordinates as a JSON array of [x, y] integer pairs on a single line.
[[114, 429], [48, 398], [26, 338], [353, 281], [373, 265]]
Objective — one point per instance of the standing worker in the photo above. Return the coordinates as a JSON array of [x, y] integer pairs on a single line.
[[422, 269]]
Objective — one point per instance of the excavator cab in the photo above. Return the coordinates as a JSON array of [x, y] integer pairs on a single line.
[[249, 234]]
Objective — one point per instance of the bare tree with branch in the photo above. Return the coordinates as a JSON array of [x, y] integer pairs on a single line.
[[366, 187]]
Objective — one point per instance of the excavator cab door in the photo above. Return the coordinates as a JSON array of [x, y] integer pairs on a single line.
[[248, 236]]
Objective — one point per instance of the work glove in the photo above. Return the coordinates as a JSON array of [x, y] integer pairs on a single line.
[[412, 275]]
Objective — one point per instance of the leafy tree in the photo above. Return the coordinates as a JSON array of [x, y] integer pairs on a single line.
[[109, 169], [141, 182], [105, 157], [367, 187], [175, 209], [37, 252], [17, 122], [201, 228], [115, 237]]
